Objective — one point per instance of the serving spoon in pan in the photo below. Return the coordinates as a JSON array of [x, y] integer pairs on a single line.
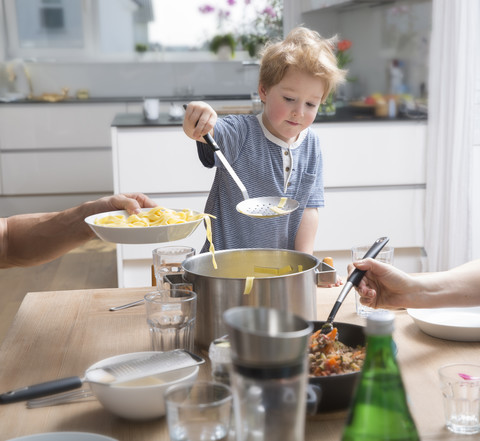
[[263, 207], [353, 280]]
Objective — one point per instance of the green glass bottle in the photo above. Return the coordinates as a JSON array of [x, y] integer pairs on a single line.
[[379, 411]]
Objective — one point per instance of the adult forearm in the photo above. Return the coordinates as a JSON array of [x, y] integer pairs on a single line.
[[32, 239], [458, 287]]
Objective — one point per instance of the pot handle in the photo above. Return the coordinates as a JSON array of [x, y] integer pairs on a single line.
[[177, 281], [325, 275]]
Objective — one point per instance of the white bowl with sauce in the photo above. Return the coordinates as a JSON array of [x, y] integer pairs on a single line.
[[140, 399]]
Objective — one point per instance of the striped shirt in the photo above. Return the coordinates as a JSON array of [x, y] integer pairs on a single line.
[[267, 166]]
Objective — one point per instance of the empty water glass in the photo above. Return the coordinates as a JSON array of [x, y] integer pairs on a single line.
[[460, 386], [171, 318], [198, 412]]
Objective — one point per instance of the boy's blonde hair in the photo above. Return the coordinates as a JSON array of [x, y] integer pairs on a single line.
[[305, 50]]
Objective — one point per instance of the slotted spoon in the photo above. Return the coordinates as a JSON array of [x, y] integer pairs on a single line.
[[263, 207]]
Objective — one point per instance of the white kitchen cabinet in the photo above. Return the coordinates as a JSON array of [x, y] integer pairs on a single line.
[[157, 160], [60, 148], [374, 186], [57, 125], [43, 172], [162, 162]]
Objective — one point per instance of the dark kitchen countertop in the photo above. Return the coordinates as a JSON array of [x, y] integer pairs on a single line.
[[165, 99], [344, 114]]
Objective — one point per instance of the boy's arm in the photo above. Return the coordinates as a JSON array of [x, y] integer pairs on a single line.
[[307, 231]]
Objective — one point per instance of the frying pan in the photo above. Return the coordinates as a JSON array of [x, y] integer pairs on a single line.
[[337, 390], [263, 207]]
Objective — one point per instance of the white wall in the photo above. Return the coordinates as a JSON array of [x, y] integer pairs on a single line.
[[138, 79]]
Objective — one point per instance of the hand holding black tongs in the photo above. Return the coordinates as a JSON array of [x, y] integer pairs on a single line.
[[353, 280]]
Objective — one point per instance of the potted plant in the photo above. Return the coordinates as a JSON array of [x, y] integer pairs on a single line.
[[253, 43], [223, 45]]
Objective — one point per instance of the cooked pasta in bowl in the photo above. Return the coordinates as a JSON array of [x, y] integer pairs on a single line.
[[156, 225]]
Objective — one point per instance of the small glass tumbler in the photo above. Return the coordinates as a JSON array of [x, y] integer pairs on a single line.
[[168, 261], [171, 318], [460, 386], [385, 256], [199, 411]]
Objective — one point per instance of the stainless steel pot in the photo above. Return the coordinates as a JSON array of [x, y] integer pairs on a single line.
[[223, 288]]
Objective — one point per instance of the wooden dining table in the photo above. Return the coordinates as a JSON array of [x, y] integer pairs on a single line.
[[61, 333]]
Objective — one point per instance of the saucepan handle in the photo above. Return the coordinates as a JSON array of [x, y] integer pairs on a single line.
[[41, 390], [325, 275]]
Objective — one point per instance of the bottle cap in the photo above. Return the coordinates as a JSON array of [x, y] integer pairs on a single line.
[[380, 323]]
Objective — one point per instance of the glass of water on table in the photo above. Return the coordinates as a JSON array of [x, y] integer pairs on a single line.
[[171, 315]]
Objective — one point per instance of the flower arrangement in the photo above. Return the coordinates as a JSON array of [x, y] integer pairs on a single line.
[[258, 24], [343, 59]]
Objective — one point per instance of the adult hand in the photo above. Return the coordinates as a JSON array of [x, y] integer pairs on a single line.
[[383, 285], [200, 119], [132, 202]]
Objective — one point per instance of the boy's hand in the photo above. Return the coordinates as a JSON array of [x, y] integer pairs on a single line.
[[199, 120]]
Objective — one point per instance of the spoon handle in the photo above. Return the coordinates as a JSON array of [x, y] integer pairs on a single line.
[[356, 276], [128, 305]]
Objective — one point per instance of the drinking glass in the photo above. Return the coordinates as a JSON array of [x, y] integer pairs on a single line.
[[460, 386], [385, 256], [171, 318], [168, 261], [199, 411]]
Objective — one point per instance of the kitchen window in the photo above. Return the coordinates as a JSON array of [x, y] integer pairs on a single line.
[[113, 29]]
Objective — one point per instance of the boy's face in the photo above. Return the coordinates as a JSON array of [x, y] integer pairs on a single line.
[[291, 105]]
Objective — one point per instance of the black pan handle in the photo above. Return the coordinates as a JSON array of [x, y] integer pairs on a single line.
[[355, 278], [377, 246], [41, 390]]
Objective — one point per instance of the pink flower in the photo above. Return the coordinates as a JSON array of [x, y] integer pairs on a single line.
[[206, 9], [247, 2], [223, 14], [231, 2], [269, 11]]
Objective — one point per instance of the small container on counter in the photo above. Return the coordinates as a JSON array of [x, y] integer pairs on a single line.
[[219, 354]]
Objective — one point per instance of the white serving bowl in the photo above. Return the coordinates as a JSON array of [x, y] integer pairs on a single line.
[[141, 235], [141, 399]]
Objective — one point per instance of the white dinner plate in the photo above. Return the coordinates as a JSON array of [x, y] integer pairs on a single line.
[[141, 235], [458, 324], [64, 436]]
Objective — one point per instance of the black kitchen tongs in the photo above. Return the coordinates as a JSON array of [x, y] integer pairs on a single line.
[[353, 280]]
